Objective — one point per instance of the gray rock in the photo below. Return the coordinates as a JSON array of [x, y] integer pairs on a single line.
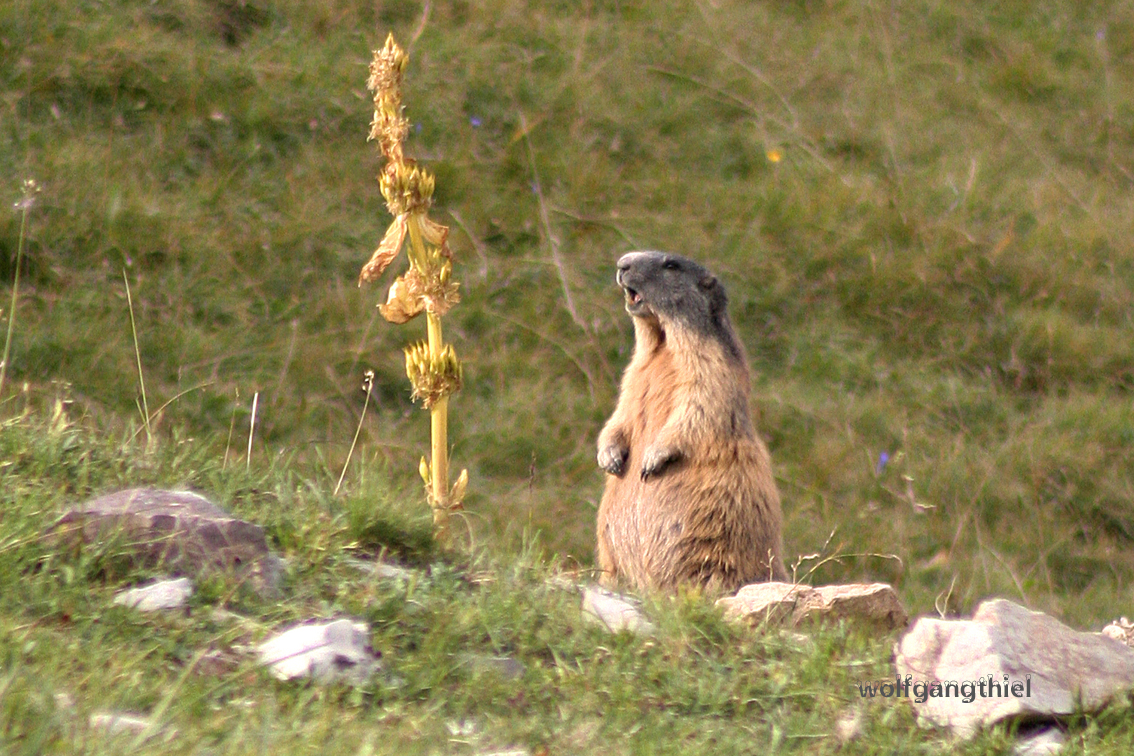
[[874, 604], [1050, 669], [165, 594], [181, 531], [614, 611], [326, 652]]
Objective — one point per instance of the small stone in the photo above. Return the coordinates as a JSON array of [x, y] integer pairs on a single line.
[[462, 728], [327, 652], [1122, 630], [1044, 742], [379, 569], [772, 603], [848, 726], [614, 611], [115, 723], [506, 667], [164, 594]]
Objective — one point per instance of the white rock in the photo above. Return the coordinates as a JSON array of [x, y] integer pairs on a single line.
[[772, 603], [614, 611], [1046, 742], [1122, 630], [165, 594], [116, 723], [327, 652], [1050, 669]]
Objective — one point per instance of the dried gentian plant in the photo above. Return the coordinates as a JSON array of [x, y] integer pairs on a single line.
[[428, 286]]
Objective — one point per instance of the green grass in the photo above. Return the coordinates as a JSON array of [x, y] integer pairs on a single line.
[[698, 685], [938, 268]]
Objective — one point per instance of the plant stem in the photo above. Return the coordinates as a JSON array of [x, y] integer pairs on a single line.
[[439, 417], [439, 412], [138, 357], [368, 385], [15, 296]]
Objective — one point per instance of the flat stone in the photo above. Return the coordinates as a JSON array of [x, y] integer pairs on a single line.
[[327, 652], [774, 604], [1050, 669], [379, 569], [155, 597], [614, 611], [181, 531]]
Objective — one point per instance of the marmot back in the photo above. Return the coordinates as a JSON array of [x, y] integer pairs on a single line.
[[689, 494]]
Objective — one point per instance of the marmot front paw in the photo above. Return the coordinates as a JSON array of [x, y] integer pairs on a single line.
[[656, 459], [612, 458]]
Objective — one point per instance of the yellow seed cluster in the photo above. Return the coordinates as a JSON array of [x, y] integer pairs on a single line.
[[407, 188], [433, 376]]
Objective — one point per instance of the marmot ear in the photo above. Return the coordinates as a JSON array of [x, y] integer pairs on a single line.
[[708, 282]]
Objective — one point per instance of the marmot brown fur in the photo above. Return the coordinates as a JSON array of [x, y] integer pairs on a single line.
[[690, 496]]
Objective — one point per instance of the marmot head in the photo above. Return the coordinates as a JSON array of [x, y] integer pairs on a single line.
[[671, 289]]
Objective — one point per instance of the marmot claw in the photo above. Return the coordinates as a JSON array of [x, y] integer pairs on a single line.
[[613, 459], [657, 459]]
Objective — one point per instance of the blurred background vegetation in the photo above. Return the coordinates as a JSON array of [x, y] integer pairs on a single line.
[[922, 213]]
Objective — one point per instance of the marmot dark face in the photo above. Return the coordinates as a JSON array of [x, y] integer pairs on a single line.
[[667, 288]]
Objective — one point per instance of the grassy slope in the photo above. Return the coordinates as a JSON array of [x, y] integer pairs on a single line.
[[938, 268], [699, 685]]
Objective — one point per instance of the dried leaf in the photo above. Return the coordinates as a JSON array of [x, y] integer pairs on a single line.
[[402, 303], [457, 494], [435, 234], [386, 252]]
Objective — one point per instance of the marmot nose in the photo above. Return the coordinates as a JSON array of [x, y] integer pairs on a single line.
[[628, 259]]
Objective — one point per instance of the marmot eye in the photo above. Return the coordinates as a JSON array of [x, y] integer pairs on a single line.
[[670, 265]]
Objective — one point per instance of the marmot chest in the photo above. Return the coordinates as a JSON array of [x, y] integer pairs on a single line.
[[655, 394]]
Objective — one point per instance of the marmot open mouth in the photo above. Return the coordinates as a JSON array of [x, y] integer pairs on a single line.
[[632, 297]]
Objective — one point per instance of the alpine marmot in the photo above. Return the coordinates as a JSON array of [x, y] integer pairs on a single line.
[[689, 494]]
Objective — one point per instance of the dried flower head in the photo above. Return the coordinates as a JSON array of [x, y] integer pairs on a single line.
[[389, 126], [432, 367], [407, 188], [434, 376]]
